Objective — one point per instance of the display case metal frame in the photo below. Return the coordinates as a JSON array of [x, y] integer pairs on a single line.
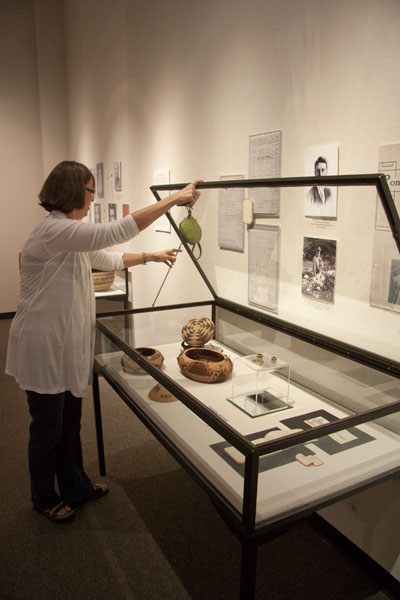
[[243, 525]]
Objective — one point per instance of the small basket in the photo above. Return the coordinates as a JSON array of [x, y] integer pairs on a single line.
[[102, 280]]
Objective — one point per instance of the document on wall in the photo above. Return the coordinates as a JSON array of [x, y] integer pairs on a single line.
[[265, 162], [230, 216], [161, 177], [264, 248], [385, 274], [389, 164]]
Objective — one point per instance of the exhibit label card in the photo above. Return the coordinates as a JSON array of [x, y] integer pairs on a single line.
[[230, 216], [265, 162], [264, 248]]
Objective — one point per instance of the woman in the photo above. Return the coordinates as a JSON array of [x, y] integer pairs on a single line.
[[51, 343]]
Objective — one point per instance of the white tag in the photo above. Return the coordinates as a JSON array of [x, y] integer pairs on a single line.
[[316, 421], [234, 453], [343, 437], [309, 461], [248, 211]]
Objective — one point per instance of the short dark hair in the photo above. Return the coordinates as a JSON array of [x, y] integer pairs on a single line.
[[64, 188], [320, 159]]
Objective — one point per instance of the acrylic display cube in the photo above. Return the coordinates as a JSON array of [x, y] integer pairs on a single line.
[[260, 384]]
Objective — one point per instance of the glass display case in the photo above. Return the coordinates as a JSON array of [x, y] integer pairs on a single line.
[[327, 422]]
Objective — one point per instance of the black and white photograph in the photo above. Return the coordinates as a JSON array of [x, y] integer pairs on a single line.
[[112, 211], [118, 176], [100, 180], [394, 286], [321, 200], [97, 212], [319, 269]]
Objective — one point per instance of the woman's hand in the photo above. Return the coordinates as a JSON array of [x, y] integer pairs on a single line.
[[146, 216], [189, 194], [166, 256]]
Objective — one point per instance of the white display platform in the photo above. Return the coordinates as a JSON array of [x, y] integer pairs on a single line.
[[281, 489]]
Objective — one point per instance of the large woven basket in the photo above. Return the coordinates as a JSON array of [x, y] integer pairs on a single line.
[[205, 365], [102, 280]]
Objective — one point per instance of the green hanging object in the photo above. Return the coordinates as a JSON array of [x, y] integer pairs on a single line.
[[190, 232]]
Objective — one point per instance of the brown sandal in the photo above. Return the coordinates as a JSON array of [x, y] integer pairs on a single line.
[[60, 513], [98, 491]]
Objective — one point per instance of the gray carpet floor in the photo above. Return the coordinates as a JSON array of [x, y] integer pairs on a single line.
[[155, 535]]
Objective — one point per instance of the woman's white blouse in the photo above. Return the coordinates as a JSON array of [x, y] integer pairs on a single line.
[[51, 342]]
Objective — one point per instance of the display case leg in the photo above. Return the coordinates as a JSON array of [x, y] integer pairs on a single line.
[[99, 426], [248, 570]]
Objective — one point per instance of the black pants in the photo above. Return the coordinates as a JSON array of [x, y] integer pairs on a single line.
[[55, 449]]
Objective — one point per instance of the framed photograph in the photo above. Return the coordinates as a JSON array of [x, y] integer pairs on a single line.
[[97, 212], [100, 180], [321, 200], [125, 210], [319, 269], [112, 211], [118, 176]]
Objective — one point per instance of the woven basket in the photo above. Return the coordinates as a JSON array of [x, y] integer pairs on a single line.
[[198, 331], [103, 280], [152, 354], [205, 365]]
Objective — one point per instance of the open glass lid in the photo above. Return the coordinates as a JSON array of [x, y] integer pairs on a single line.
[[317, 254]]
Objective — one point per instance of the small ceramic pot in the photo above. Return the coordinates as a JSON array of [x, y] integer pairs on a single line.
[[130, 366], [198, 331], [158, 393], [102, 280], [205, 365]]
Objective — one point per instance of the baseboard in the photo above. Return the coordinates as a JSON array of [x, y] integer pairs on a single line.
[[8, 315]]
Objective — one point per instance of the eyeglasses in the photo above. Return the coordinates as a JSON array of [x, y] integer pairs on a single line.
[[90, 190]]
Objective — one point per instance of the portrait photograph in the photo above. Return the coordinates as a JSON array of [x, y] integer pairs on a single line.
[[97, 212], [118, 176], [100, 180], [112, 211], [321, 200], [319, 269]]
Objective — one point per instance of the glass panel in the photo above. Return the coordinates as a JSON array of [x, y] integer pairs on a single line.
[[303, 474], [317, 388], [352, 386], [324, 272], [189, 433]]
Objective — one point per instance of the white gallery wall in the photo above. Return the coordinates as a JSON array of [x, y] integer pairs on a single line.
[[33, 122], [181, 85]]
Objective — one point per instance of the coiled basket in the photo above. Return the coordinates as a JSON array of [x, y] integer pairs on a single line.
[[205, 365]]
